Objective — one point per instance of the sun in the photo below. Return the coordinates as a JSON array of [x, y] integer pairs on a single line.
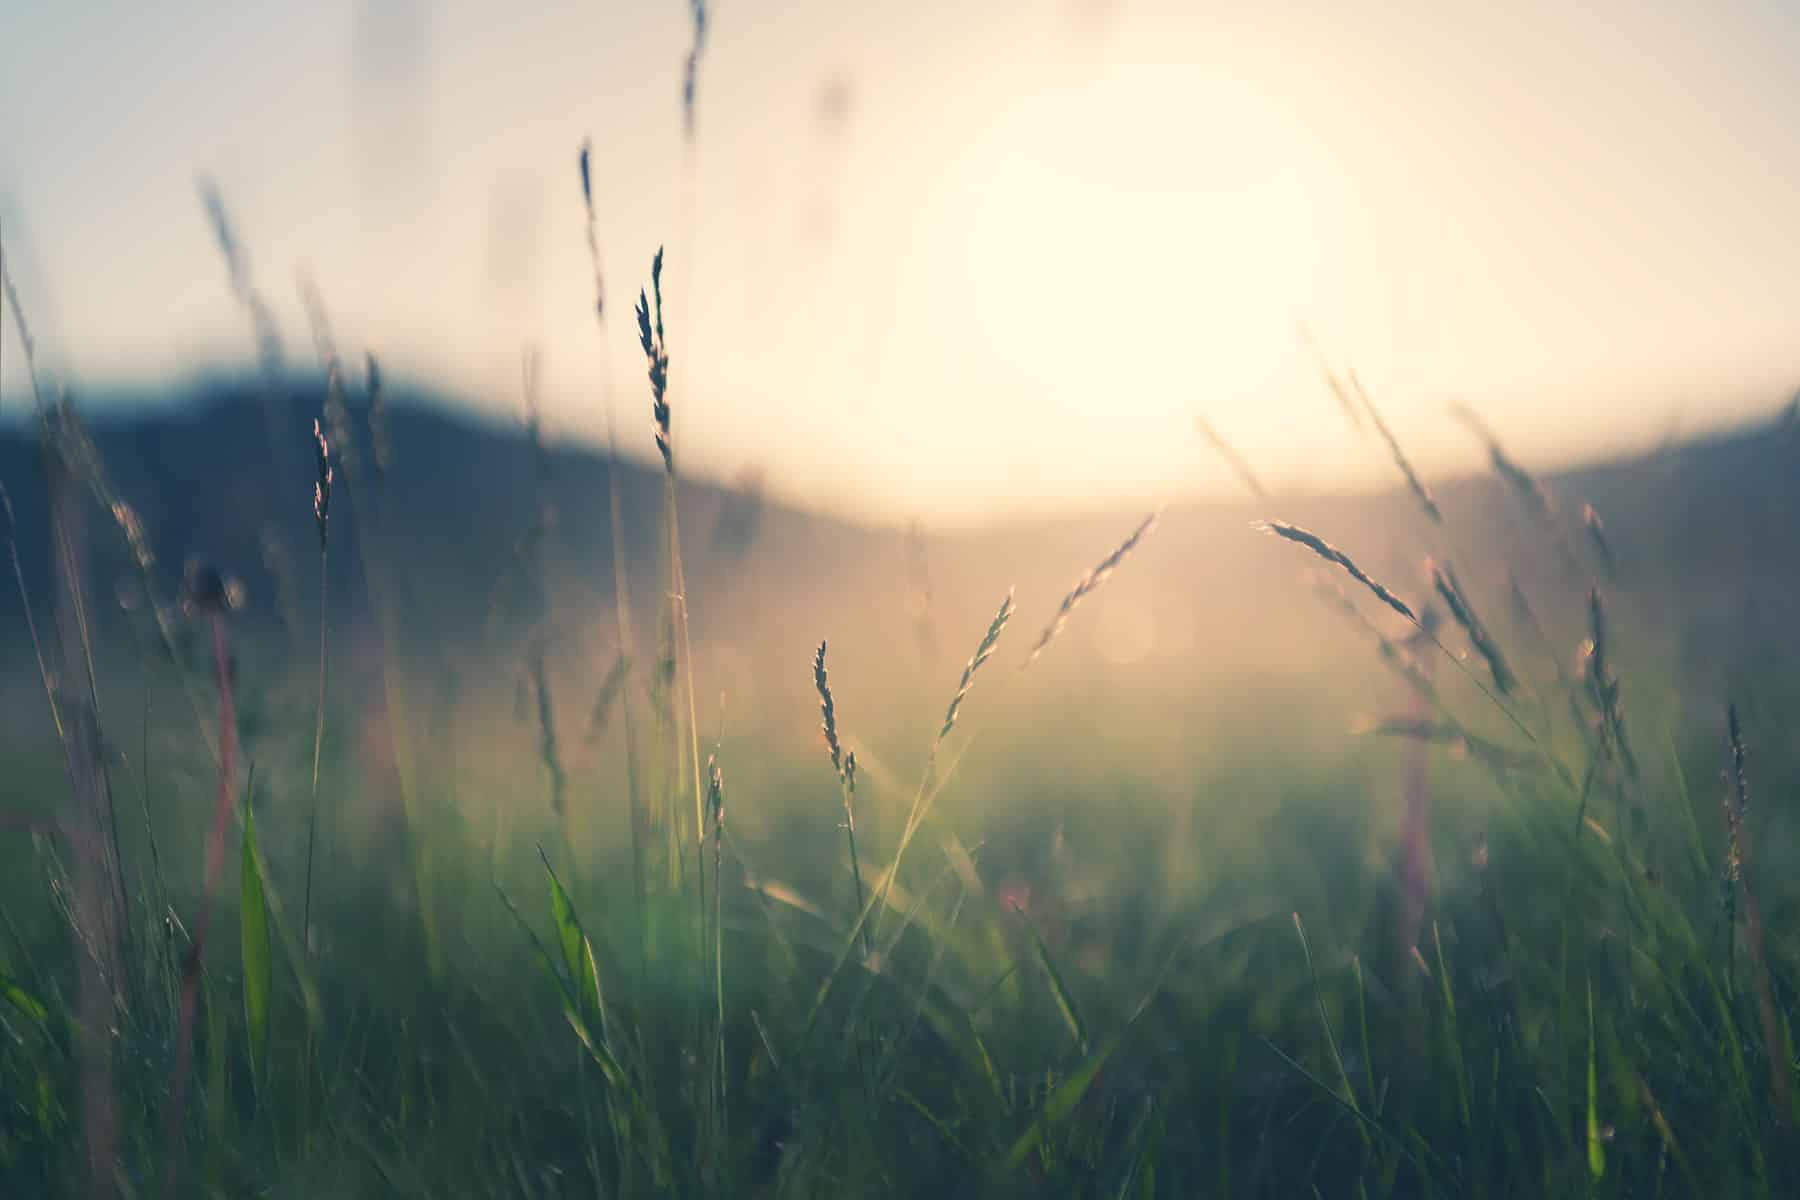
[[1146, 235]]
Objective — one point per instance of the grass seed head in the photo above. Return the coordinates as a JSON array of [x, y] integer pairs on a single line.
[[1089, 582], [828, 710], [690, 73], [1229, 453], [650, 337], [715, 793], [982, 653], [593, 237], [1596, 531], [135, 538], [1456, 600], [337, 418], [1603, 684], [1332, 382], [237, 267], [1532, 495], [1416, 485], [322, 486], [1330, 553], [1737, 799]]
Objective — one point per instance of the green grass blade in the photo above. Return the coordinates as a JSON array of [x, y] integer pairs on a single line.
[[1065, 1001], [24, 1001], [577, 951], [1454, 1034], [1068, 1094], [1061, 1103], [253, 931], [652, 1143], [1596, 1149]]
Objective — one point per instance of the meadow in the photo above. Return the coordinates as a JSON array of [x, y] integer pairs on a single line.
[[488, 816]]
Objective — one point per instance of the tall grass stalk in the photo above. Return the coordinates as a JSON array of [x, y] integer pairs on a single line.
[[1089, 582], [1427, 503], [1330, 553], [207, 596], [1332, 383], [538, 569], [716, 797], [929, 783], [845, 769], [265, 334], [375, 555], [11, 296], [322, 521], [1348, 1092], [1239, 466], [1776, 1047], [1450, 589], [621, 591], [652, 337], [100, 912]]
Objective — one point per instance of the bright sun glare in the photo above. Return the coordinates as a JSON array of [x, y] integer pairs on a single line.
[[1144, 237]]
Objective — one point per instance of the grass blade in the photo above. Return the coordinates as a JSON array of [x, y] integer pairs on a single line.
[[253, 931], [1065, 1002], [1062, 1102], [24, 1001], [577, 951], [1596, 1148]]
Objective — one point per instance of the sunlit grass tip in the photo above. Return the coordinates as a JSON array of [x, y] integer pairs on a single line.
[[982, 653], [650, 336]]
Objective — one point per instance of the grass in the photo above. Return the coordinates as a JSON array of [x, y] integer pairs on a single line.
[[1043, 969]]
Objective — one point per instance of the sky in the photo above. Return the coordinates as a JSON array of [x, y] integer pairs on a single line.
[[953, 261]]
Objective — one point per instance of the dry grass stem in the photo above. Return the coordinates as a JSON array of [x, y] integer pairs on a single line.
[[621, 591]]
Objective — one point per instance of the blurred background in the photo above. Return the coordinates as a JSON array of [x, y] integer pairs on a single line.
[[945, 262]]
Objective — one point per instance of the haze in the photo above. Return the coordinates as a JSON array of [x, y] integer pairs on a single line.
[[954, 262]]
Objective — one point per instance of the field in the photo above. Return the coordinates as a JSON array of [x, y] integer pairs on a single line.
[[515, 821]]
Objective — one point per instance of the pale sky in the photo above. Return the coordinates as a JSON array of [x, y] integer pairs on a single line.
[[946, 260]]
